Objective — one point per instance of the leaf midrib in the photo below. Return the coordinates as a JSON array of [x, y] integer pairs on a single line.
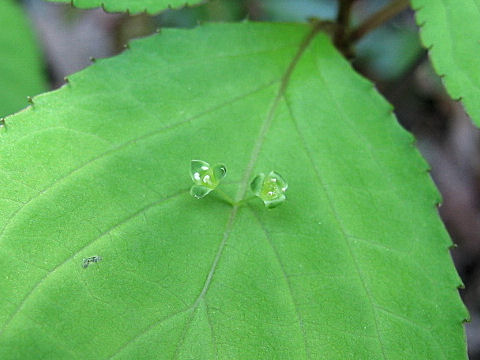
[[240, 195], [248, 172], [256, 151]]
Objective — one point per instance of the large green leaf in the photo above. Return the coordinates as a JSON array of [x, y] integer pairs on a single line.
[[132, 6], [21, 72], [355, 264], [451, 31]]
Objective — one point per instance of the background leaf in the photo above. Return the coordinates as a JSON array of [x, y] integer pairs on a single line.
[[451, 31], [132, 6], [21, 69], [101, 168]]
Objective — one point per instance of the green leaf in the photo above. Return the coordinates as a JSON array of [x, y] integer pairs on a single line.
[[354, 265], [132, 6], [451, 31], [21, 70]]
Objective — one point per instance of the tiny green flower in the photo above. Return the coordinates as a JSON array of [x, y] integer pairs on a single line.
[[205, 177], [270, 188]]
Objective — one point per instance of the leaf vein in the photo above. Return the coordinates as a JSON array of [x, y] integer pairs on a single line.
[[340, 225], [286, 279], [253, 158]]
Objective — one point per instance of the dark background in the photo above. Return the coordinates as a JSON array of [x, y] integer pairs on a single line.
[[391, 56]]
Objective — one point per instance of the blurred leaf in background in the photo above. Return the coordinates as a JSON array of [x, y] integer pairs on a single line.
[[300, 10], [21, 66], [212, 11], [133, 7]]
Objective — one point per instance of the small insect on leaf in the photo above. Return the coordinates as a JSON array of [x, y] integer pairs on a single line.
[[270, 188], [91, 259], [205, 177]]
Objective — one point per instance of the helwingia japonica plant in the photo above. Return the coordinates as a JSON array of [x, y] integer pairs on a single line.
[[355, 262]]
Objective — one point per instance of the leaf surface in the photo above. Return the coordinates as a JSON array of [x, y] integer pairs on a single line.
[[451, 32], [354, 264], [21, 72], [132, 6]]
